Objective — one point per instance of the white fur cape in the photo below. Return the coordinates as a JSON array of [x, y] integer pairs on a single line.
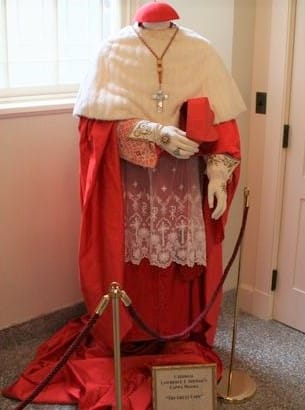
[[121, 83]]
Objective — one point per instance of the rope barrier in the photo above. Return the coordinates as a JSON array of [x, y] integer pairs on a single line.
[[137, 318], [84, 332], [140, 322]]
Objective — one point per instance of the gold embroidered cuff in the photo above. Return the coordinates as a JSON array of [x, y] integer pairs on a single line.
[[144, 130], [221, 165], [149, 131]]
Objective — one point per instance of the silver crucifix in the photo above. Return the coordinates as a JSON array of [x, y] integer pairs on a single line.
[[160, 97]]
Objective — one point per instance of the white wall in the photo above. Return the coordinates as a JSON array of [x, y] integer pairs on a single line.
[[229, 25], [39, 216], [212, 19], [242, 70], [39, 208]]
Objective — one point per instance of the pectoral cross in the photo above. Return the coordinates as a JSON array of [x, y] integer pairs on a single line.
[[160, 97]]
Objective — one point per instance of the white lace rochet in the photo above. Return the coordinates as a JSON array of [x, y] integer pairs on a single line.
[[163, 215]]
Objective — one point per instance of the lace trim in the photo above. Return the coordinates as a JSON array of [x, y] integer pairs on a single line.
[[138, 152], [124, 128]]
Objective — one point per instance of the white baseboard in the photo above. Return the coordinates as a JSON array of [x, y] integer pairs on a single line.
[[245, 298], [256, 302]]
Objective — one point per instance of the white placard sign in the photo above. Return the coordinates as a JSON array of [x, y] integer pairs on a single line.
[[190, 387]]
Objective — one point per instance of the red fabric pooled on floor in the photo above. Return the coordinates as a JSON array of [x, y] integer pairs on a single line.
[[88, 377]]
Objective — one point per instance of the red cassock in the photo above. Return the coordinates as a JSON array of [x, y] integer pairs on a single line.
[[178, 294], [182, 291]]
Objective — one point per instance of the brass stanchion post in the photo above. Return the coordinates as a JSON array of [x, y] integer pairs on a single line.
[[115, 293], [236, 385]]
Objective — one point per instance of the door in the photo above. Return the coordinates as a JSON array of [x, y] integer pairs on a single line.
[[289, 305]]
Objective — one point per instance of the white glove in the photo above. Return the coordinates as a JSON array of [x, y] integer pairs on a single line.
[[217, 188], [219, 170], [171, 139], [175, 142]]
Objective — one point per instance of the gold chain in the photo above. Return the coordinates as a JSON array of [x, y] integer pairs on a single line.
[[159, 58]]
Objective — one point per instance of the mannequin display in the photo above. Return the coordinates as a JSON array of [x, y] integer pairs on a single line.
[[159, 166]]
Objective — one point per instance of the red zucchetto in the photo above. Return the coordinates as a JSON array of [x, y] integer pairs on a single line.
[[155, 12]]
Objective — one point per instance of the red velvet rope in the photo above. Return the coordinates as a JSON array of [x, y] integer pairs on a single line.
[[84, 332], [140, 322]]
